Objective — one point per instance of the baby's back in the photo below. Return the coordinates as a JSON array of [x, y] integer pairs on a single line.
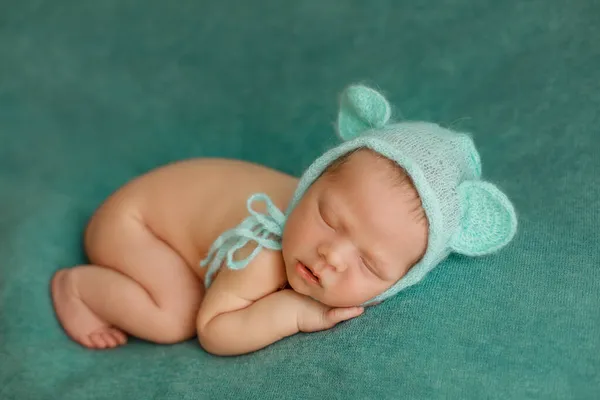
[[188, 204]]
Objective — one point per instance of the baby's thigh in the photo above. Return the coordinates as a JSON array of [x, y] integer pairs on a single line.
[[123, 242]]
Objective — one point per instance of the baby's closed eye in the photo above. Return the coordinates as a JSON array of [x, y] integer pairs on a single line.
[[323, 216], [368, 266]]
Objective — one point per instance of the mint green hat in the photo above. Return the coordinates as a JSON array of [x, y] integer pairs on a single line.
[[466, 215]]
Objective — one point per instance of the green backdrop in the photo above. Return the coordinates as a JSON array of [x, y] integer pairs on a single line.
[[93, 93]]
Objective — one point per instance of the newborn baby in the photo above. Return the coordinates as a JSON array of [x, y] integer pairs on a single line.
[[201, 247]]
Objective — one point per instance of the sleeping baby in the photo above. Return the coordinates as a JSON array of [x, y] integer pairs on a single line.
[[242, 256]]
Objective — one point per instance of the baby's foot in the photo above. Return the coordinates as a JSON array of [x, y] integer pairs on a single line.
[[80, 323]]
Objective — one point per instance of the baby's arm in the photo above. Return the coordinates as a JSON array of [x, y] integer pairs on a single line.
[[243, 311]]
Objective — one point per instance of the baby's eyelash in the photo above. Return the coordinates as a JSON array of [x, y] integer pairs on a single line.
[[365, 263], [368, 266], [323, 216]]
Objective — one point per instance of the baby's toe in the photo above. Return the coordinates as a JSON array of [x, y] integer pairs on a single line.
[[98, 340], [119, 336], [109, 339], [86, 341]]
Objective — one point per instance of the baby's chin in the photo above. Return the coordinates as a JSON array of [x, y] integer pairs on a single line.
[[296, 283], [299, 286]]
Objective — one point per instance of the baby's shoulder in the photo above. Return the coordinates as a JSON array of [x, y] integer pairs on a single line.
[[263, 275]]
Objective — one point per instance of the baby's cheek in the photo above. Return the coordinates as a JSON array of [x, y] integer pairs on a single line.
[[294, 225], [364, 288], [347, 290], [303, 234]]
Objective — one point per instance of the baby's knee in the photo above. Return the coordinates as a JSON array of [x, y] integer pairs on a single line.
[[175, 327]]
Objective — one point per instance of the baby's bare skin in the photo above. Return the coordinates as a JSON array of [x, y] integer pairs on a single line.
[[189, 204], [351, 236], [184, 205]]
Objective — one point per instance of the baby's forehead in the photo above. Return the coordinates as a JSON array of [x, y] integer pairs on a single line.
[[363, 169], [380, 204], [367, 163]]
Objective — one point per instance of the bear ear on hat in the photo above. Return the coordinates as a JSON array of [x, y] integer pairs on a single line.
[[361, 109], [488, 220]]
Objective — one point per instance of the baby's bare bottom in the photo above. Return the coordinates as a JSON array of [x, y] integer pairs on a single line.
[[137, 284]]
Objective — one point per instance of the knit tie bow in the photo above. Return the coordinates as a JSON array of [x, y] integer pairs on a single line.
[[265, 229]]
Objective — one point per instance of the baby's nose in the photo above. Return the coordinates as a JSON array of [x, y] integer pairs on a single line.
[[335, 256]]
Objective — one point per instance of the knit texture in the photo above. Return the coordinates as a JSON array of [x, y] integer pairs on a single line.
[[95, 93], [264, 229], [466, 215]]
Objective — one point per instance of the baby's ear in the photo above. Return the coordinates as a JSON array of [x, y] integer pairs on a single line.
[[488, 221], [361, 108]]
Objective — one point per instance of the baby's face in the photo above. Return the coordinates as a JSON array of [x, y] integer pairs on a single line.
[[354, 233]]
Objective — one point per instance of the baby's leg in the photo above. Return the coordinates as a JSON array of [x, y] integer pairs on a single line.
[[138, 284]]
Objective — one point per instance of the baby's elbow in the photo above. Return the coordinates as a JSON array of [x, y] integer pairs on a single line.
[[210, 340], [205, 336], [207, 342]]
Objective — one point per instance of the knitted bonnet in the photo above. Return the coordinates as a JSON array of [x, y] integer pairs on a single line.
[[466, 215]]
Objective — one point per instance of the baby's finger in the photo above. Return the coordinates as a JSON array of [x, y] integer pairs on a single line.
[[341, 314]]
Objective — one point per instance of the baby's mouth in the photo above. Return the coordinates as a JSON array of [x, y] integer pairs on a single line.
[[313, 274], [308, 274]]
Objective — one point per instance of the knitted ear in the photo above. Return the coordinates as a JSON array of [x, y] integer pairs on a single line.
[[488, 220], [361, 108]]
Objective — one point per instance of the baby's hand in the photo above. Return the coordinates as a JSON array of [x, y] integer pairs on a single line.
[[314, 316]]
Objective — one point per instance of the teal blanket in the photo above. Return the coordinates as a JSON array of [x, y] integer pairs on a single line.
[[93, 93]]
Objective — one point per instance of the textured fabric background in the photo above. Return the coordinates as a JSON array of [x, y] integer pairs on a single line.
[[93, 93]]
